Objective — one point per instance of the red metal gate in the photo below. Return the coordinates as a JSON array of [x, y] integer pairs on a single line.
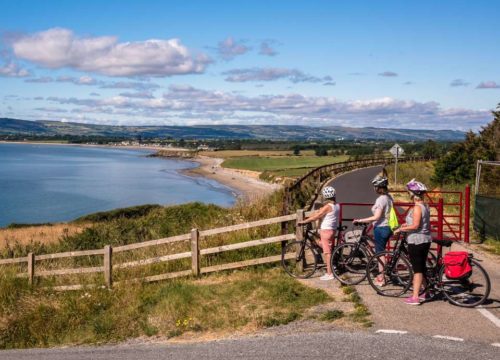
[[450, 212]]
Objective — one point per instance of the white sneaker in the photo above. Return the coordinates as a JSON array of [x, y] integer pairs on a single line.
[[327, 277]]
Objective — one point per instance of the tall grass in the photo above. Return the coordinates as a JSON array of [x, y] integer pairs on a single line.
[[240, 300]]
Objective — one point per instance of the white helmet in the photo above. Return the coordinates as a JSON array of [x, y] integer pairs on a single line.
[[380, 181], [328, 192]]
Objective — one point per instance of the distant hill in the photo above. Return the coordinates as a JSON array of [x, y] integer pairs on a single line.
[[282, 132]]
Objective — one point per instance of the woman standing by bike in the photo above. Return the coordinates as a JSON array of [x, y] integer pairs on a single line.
[[380, 210], [418, 226], [329, 214]]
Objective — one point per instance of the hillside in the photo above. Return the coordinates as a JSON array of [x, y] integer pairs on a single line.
[[292, 132]]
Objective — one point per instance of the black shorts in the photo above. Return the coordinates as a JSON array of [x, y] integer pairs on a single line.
[[418, 256]]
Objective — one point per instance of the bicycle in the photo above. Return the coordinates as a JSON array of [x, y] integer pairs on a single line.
[[394, 267], [349, 260], [468, 291], [308, 254], [398, 275]]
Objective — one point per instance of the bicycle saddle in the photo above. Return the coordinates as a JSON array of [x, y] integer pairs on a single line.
[[364, 224], [445, 243]]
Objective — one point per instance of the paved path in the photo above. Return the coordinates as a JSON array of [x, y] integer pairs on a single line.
[[435, 318], [324, 345]]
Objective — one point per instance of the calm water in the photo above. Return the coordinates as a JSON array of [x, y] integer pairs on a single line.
[[49, 183]]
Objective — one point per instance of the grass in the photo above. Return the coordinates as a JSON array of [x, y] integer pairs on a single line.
[[492, 246], [332, 315], [361, 314], [27, 236], [273, 167], [223, 303]]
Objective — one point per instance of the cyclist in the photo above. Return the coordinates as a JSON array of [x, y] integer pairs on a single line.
[[380, 210], [418, 226], [329, 215]]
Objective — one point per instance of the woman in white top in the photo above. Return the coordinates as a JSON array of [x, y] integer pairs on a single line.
[[329, 215]]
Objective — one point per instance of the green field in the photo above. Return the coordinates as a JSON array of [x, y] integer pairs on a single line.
[[282, 165]]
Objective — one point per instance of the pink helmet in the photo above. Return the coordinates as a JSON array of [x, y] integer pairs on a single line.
[[416, 187]]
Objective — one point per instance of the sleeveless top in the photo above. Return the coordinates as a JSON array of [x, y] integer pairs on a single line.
[[383, 202], [331, 219], [423, 233]]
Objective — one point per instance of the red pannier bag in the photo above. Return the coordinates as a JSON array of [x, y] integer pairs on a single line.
[[457, 264]]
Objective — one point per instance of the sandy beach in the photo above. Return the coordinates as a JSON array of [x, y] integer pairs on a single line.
[[246, 183]]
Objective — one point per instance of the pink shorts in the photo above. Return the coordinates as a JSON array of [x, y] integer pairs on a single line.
[[327, 239]]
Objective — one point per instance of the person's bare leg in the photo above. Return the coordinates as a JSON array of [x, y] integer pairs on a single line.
[[417, 283]]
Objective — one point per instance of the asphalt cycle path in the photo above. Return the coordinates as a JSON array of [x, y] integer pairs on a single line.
[[323, 345], [437, 318]]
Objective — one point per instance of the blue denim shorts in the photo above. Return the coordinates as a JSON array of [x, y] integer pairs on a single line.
[[381, 235]]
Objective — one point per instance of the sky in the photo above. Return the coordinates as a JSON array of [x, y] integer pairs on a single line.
[[392, 64]]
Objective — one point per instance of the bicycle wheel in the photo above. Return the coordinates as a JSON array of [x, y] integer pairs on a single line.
[[299, 260], [469, 291], [349, 263], [396, 273]]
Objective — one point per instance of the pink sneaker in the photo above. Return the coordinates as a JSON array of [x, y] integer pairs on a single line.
[[424, 296], [412, 301]]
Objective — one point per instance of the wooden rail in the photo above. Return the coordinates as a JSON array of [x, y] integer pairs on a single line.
[[303, 192], [195, 254]]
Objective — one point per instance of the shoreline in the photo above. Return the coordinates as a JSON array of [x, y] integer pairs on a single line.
[[246, 183]]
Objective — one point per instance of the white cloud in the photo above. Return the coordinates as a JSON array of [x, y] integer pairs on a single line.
[[488, 85], [266, 49], [198, 106], [59, 48], [13, 70], [459, 82], [40, 80], [271, 74], [82, 80], [229, 48], [388, 74], [130, 85]]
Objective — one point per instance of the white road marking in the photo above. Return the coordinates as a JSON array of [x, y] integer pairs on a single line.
[[496, 344], [448, 338], [388, 331], [488, 315]]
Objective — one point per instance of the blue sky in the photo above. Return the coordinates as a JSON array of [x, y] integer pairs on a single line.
[[422, 64]]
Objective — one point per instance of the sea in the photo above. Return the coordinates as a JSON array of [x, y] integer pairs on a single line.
[[58, 183]]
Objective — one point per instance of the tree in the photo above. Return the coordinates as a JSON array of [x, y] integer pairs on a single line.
[[296, 150], [321, 151], [431, 149], [459, 164]]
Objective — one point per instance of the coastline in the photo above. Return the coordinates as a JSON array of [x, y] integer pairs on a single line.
[[246, 183]]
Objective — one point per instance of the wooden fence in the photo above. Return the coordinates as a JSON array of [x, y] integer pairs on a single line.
[[303, 192], [195, 253]]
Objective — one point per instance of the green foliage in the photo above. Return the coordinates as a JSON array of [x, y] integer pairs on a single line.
[[321, 151], [129, 213], [255, 297], [331, 315], [157, 222], [459, 164]]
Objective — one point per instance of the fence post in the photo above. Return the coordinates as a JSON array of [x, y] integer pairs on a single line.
[[108, 266], [195, 252], [440, 210], [299, 235], [467, 214], [31, 268]]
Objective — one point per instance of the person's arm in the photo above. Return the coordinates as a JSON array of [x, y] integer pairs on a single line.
[[375, 217], [316, 215], [417, 216]]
